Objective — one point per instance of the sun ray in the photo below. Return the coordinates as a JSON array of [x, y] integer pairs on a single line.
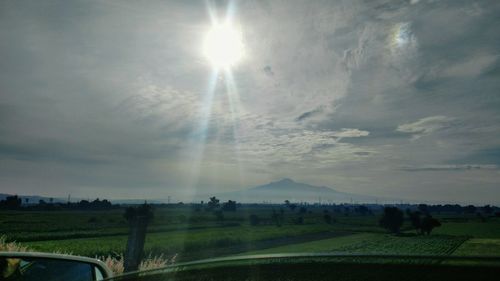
[[223, 48]]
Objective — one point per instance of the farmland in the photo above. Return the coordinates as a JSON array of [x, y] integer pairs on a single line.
[[191, 234], [371, 243]]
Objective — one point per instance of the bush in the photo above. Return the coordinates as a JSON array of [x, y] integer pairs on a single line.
[[327, 218], [219, 215], [299, 220], [254, 220], [93, 220]]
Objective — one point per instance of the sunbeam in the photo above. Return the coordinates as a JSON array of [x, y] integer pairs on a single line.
[[223, 48]]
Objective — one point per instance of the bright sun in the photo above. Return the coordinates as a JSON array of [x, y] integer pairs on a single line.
[[223, 45]]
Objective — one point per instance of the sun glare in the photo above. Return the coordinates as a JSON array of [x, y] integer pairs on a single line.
[[223, 45]]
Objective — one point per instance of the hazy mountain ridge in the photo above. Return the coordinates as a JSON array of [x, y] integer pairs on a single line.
[[287, 189], [273, 192]]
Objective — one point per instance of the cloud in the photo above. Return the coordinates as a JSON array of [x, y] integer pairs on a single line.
[[472, 66], [309, 114], [426, 126], [329, 91], [460, 167]]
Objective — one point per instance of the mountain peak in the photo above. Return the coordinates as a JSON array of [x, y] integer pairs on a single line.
[[288, 189], [286, 180]]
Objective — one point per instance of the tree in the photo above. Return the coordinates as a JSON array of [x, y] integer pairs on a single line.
[[428, 224], [213, 203], [470, 209], [392, 219], [230, 205], [11, 202], [415, 220], [487, 209], [144, 211], [423, 208], [362, 210]]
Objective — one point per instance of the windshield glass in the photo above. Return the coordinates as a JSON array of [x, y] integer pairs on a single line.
[[148, 133]]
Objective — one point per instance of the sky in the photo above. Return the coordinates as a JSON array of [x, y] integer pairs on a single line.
[[115, 99]]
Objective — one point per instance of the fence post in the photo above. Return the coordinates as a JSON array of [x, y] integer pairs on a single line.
[[138, 219]]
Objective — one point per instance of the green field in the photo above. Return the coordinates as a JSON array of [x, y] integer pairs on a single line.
[[479, 247], [201, 241], [193, 234], [319, 246], [477, 229], [370, 243]]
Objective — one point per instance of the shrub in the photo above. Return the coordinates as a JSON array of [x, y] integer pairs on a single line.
[[299, 220], [254, 220], [219, 215], [92, 220], [327, 218]]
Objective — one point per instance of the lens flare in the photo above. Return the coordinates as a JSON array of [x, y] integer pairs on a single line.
[[223, 45]]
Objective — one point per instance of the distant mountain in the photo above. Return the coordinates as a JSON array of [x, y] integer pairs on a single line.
[[287, 189], [138, 201]]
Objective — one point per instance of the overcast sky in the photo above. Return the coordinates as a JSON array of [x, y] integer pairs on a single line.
[[115, 98]]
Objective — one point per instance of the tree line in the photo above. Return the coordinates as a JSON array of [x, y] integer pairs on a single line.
[[15, 202]]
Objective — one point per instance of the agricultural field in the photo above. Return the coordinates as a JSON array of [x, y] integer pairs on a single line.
[[475, 228], [479, 247], [372, 243], [190, 234], [199, 241]]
